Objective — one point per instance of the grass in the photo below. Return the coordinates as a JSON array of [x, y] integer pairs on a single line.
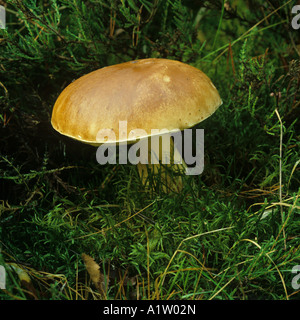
[[232, 233]]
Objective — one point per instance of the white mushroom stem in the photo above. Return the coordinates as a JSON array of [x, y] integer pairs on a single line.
[[162, 165]]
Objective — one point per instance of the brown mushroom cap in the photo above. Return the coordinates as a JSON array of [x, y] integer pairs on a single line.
[[148, 94]]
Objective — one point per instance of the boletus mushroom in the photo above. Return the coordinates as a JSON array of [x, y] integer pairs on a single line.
[[148, 95]]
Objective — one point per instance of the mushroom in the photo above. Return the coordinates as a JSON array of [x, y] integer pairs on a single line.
[[150, 96]]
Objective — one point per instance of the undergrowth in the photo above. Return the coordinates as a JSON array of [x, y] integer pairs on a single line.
[[232, 233]]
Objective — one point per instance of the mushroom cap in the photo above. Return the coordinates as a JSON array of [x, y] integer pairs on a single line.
[[148, 94]]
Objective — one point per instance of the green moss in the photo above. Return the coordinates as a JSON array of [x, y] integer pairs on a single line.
[[229, 234]]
